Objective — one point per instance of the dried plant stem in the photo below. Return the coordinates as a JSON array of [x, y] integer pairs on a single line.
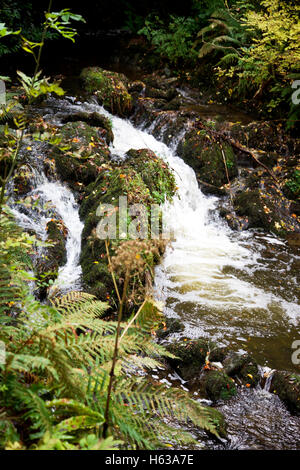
[[116, 347]]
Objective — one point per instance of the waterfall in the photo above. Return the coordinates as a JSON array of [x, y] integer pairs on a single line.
[[53, 199], [208, 274]]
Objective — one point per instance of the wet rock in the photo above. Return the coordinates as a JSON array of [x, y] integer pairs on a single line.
[[166, 94], [136, 87], [172, 325], [287, 387], [265, 136], [54, 256], [242, 366], [143, 178], [293, 239], [23, 179], [219, 420], [80, 164], [265, 206], [92, 119], [191, 355], [216, 385], [203, 153], [109, 87]]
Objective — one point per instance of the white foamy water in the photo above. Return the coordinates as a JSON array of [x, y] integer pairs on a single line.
[[63, 200], [58, 198]]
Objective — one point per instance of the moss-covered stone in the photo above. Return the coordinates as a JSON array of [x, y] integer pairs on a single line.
[[242, 366], [217, 385], [80, 164], [205, 154], [287, 387], [191, 355], [54, 256], [265, 206], [95, 119], [171, 325], [109, 87], [23, 179], [143, 178]]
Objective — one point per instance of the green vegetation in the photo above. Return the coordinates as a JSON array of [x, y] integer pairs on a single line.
[[252, 48]]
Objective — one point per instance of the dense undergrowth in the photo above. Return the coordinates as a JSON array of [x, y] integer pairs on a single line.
[[248, 50]]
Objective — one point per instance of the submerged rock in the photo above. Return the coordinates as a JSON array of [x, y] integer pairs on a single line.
[[110, 89]]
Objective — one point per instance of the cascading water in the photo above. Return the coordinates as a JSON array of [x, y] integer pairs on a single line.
[[217, 281], [197, 279], [52, 197]]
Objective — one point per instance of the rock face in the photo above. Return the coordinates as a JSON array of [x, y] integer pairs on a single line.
[[110, 89], [54, 256], [287, 387], [264, 205]]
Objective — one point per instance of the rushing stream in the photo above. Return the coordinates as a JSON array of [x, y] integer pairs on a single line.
[[233, 287]]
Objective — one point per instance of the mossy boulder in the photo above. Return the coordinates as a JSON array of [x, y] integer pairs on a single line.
[[219, 421], [292, 185], [287, 387], [191, 354], [206, 155], [265, 206], [242, 366], [217, 385], [109, 87], [94, 119], [143, 178], [80, 154], [171, 325], [23, 179]]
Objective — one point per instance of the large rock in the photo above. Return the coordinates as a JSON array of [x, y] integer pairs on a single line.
[[80, 154], [242, 366], [144, 179], [265, 206], [207, 156], [287, 387], [216, 385], [109, 87], [191, 355]]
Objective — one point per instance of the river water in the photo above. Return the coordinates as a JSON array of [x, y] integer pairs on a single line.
[[237, 288]]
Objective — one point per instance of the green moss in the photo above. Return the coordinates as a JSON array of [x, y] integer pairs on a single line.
[[204, 154], [144, 179], [292, 186], [109, 87], [191, 354], [287, 387], [218, 385], [86, 152]]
